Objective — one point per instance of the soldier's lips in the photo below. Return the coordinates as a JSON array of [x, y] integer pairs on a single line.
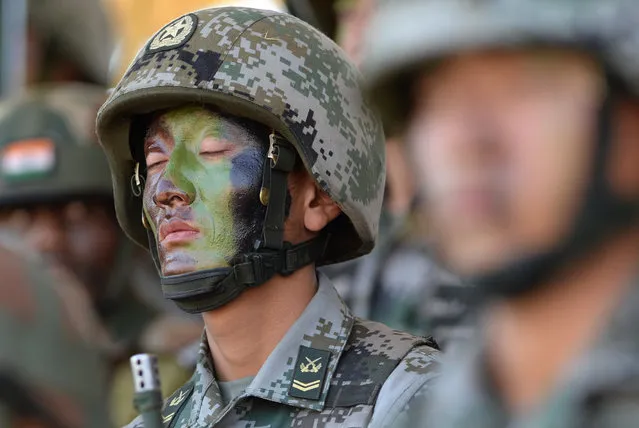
[[177, 231]]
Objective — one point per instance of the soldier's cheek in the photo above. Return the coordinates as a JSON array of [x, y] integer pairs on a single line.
[[246, 170], [149, 207]]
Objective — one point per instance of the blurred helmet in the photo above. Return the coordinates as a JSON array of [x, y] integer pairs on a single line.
[[79, 29], [48, 149], [50, 370], [276, 70], [49, 154], [408, 36]]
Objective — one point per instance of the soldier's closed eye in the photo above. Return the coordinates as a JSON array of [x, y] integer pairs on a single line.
[[155, 159], [214, 148]]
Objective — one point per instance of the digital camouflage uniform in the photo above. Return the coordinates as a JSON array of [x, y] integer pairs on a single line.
[[51, 364], [601, 387], [367, 372], [279, 71]]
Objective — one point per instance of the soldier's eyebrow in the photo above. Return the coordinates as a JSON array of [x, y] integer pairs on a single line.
[[152, 144], [157, 137]]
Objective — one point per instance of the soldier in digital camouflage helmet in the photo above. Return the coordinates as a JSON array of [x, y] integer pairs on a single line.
[[523, 118], [240, 139], [51, 369]]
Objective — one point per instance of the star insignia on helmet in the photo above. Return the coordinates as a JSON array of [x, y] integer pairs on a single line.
[[174, 34]]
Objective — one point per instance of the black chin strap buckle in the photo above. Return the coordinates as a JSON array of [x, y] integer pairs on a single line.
[[256, 269], [259, 267]]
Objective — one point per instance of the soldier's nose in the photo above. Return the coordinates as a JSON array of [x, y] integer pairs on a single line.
[[168, 194], [46, 233]]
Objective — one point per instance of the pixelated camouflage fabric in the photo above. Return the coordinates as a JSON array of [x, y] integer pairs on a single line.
[[360, 351], [600, 388], [278, 70]]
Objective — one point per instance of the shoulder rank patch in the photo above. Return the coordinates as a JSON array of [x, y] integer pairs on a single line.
[[175, 402], [174, 34], [309, 373]]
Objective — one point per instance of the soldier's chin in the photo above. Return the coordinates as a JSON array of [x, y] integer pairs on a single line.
[[470, 254], [177, 263], [173, 269], [180, 263]]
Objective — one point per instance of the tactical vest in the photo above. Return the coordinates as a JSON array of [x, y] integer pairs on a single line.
[[348, 388]]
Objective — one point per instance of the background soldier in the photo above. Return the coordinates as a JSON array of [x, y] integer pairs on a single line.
[[399, 284], [55, 192], [256, 157], [51, 369], [523, 117], [68, 41]]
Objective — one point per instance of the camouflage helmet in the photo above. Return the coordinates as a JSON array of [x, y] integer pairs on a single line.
[[398, 43], [44, 314], [48, 149], [274, 69]]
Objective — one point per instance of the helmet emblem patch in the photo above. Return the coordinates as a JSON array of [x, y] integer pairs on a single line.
[[174, 34]]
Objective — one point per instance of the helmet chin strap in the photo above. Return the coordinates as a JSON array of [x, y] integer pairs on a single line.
[[602, 215], [210, 289]]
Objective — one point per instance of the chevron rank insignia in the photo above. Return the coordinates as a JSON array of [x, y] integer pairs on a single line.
[[310, 370], [174, 404]]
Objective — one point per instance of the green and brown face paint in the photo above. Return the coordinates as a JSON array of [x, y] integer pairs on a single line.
[[201, 196]]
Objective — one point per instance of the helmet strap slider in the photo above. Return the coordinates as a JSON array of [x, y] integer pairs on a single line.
[[281, 157], [137, 181]]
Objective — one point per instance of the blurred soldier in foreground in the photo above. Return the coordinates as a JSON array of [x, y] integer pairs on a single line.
[[55, 192], [240, 140], [524, 118], [398, 284], [51, 370]]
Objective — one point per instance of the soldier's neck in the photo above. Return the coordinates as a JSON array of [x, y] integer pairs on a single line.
[[243, 333], [533, 340]]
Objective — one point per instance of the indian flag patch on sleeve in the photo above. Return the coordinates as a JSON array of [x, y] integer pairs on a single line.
[[27, 159]]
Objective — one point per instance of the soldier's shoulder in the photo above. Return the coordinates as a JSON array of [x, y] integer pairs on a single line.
[[379, 338], [408, 364], [406, 392]]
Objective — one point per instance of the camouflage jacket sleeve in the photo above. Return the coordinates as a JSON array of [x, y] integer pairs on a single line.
[[405, 391]]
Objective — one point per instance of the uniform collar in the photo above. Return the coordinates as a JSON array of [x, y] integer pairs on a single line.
[[618, 342], [325, 325], [469, 386]]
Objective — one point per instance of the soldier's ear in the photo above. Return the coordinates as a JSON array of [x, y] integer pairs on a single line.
[[320, 210]]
